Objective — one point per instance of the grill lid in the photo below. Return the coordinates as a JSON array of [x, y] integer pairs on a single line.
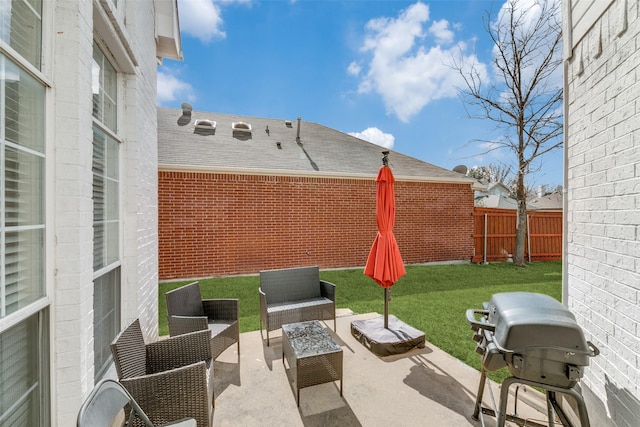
[[523, 320]]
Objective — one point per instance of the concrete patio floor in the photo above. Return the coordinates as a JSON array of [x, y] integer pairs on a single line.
[[423, 387]]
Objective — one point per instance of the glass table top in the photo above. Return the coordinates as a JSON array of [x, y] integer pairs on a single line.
[[309, 339]]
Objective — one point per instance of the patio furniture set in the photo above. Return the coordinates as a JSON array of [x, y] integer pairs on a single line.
[[170, 381]]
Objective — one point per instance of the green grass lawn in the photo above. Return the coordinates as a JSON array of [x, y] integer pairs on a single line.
[[431, 298]]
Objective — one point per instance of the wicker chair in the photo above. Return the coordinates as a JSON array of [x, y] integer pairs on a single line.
[[171, 378], [188, 312]]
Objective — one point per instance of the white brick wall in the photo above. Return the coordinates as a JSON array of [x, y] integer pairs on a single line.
[[72, 302], [603, 193], [141, 174], [71, 39]]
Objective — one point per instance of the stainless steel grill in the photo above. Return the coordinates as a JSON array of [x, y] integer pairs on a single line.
[[538, 340]]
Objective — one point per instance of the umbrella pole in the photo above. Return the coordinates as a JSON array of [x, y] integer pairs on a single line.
[[386, 308]]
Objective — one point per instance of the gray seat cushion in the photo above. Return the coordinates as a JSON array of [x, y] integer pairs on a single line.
[[296, 305]]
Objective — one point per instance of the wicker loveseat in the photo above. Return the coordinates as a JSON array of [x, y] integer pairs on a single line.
[[293, 295], [170, 379]]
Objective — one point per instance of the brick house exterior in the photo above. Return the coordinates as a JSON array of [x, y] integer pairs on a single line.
[[238, 204], [602, 181]]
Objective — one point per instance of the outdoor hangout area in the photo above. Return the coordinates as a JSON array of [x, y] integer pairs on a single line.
[[284, 347], [420, 387], [367, 369], [344, 382]]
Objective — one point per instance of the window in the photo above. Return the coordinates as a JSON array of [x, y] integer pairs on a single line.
[[22, 178], [24, 342], [21, 28], [105, 200], [106, 318], [24, 373], [104, 86], [106, 212]]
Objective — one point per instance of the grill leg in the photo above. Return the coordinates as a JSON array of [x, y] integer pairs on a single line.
[[483, 380], [550, 414], [504, 396], [552, 403], [582, 408]]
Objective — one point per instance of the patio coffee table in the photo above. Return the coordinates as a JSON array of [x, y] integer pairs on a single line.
[[313, 356]]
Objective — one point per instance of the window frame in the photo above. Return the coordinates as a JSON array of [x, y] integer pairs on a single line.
[[11, 54], [40, 308], [117, 265]]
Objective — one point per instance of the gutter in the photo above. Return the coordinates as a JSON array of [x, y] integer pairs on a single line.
[[308, 174]]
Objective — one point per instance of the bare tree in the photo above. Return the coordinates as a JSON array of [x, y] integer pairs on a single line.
[[524, 99], [491, 173]]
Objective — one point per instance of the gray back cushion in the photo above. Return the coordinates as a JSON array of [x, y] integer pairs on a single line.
[[185, 301], [290, 284]]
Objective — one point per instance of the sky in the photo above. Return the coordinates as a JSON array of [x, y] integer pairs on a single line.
[[378, 70]]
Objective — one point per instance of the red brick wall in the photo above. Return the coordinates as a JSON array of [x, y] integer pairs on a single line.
[[213, 224]]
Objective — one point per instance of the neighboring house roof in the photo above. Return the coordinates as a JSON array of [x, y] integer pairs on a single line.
[[498, 188], [495, 201], [549, 202], [494, 195], [271, 147]]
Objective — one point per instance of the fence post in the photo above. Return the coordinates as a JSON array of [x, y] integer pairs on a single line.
[[484, 253], [529, 237]]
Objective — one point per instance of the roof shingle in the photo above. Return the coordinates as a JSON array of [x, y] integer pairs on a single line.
[[271, 147]]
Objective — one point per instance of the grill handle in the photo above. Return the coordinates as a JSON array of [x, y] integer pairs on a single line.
[[482, 323], [593, 348]]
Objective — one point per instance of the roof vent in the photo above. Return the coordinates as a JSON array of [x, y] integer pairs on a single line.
[[205, 124], [241, 127], [461, 169], [288, 123], [186, 109]]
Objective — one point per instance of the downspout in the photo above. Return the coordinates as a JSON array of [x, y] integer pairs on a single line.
[[565, 181], [567, 55]]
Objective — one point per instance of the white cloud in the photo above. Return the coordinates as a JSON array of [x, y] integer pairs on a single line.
[[440, 29], [406, 73], [376, 136], [201, 19], [170, 88], [354, 69]]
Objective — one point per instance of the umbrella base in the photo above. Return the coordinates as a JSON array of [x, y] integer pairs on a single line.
[[398, 338]]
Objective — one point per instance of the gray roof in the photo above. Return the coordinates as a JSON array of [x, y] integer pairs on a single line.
[[549, 202], [321, 150]]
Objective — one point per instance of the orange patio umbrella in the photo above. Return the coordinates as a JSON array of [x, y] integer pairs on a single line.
[[384, 264]]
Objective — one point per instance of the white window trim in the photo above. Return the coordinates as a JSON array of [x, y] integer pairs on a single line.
[[20, 315], [10, 53], [114, 35]]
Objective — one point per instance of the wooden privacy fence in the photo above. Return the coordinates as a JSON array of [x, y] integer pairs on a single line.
[[495, 234]]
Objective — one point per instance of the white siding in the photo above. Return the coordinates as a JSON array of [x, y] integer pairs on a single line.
[[603, 201]]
